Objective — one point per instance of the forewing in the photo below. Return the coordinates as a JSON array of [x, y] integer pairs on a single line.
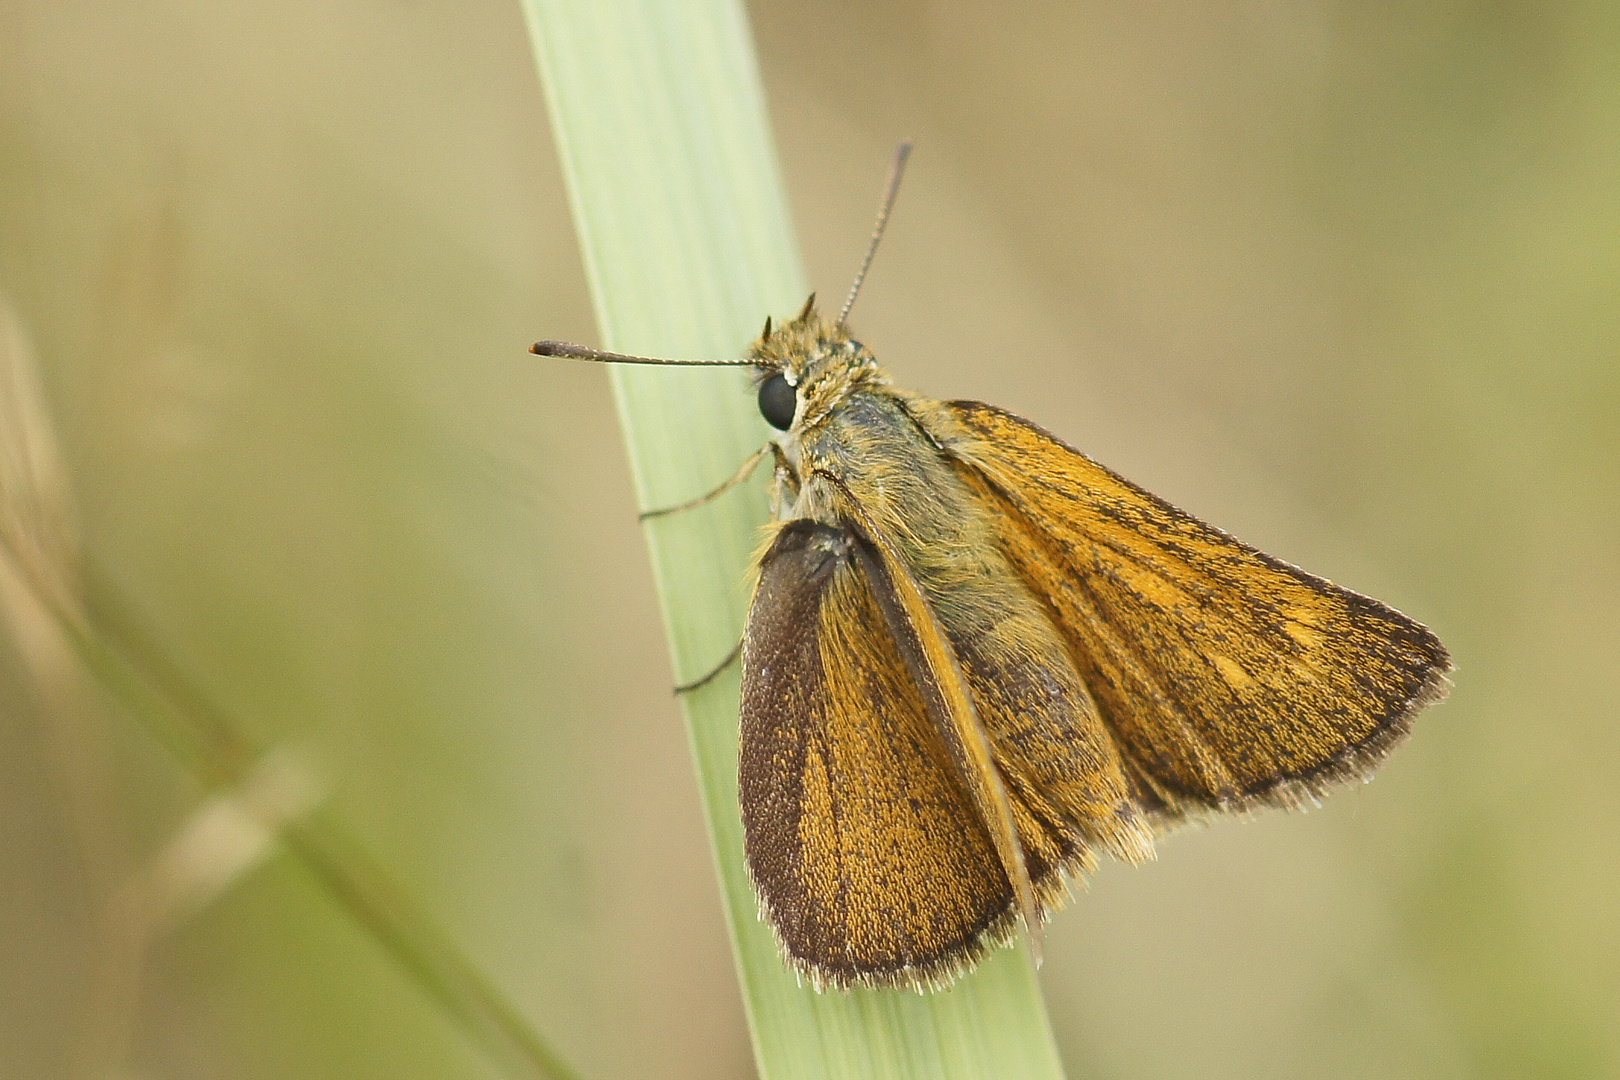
[[1229, 678], [866, 850]]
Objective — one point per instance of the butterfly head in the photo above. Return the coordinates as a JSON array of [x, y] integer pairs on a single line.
[[806, 367]]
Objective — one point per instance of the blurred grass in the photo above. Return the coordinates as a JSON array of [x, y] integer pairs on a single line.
[[1340, 279], [68, 620]]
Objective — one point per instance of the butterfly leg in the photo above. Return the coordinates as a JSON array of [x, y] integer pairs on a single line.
[[743, 473], [782, 476], [696, 684], [784, 485]]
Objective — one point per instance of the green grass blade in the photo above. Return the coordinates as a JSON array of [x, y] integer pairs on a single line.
[[659, 116]]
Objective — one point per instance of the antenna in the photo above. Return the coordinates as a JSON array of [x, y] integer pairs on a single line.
[[584, 352], [896, 171]]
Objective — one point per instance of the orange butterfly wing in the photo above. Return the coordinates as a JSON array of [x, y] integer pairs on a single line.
[[863, 843], [1228, 678]]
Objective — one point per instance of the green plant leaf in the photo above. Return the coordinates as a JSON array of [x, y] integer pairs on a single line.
[[659, 115]]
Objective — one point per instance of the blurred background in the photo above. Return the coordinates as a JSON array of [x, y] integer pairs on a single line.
[[1342, 278]]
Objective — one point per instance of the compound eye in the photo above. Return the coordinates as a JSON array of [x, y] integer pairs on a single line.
[[777, 402]]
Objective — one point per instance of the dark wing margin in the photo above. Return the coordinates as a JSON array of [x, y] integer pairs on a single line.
[[871, 861], [1229, 678]]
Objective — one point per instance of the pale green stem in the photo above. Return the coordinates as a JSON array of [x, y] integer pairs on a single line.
[[660, 120]]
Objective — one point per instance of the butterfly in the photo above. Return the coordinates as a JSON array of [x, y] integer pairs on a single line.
[[975, 660]]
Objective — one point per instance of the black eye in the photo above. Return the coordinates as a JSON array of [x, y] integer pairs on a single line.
[[777, 401]]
